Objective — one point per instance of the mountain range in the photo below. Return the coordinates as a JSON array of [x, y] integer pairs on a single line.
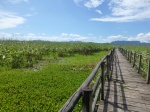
[[124, 43]]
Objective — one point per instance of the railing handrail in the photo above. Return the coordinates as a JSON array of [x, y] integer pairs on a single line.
[[73, 100]]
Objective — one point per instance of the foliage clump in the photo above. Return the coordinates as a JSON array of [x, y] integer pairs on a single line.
[[21, 54]]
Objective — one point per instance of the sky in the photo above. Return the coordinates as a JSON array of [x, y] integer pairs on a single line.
[[100, 21]]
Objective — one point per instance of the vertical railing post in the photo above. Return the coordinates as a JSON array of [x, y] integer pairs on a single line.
[[130, 56], [134, 59], [123, 51], [102, 80], [127, 54], [111, 58], [148, 73], [108, 67], [140, 58], [87, 99]]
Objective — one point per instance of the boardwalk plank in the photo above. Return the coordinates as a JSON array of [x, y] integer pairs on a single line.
[[127, 91]]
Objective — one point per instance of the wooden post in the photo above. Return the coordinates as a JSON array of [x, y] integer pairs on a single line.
[[108, 67], [87, 99], [102, 80], [130, 56], [112, 59], [134, 59], [126, 53], [123, 52], [148, 73], [140, 58]]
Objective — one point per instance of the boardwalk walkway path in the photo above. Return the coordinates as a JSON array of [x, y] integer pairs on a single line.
[[127, 91]]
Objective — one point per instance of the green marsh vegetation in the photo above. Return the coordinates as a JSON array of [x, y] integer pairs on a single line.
[[41, 76]]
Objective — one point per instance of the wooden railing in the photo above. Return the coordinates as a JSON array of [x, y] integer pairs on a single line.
[[139, 61], [91, 92]]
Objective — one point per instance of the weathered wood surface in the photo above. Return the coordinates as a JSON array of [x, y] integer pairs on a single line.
[[127, 91]]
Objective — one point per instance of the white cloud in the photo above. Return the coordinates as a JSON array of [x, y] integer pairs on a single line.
[[89, 3], [64, 34], [65, 37], [98, 11], [9, 19], [77, 1], [5, 36], [31, 34], [93, 3], [115, 38], [74, 35], [70, 35], [127, 11], [143, 37], [138, 17]]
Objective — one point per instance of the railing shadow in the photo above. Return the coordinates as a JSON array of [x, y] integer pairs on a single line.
[[119, 98]]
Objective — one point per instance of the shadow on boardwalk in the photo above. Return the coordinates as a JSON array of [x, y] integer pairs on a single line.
[[127, 91]]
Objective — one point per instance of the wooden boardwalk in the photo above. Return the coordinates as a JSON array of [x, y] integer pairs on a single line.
[[127, 91]]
